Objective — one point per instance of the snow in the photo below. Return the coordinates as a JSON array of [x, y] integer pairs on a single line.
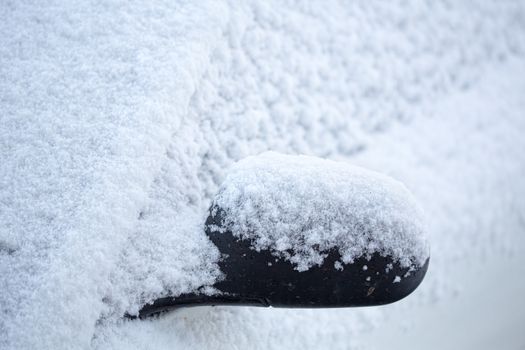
[[473, 186], [119, 121], [301, 207], [90, 97]]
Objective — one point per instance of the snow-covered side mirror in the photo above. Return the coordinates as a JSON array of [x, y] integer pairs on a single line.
[[298, 231]]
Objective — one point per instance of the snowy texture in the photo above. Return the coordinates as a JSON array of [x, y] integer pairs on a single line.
[[118, 122], [301, 207], [91, 94]]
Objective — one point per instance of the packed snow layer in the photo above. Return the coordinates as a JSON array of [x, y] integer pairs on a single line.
[[301, 207], [90, 95], [118, 122]]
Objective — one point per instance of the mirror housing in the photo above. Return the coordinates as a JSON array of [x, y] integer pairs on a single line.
[[273, 281], [259, 278], [302, 232]]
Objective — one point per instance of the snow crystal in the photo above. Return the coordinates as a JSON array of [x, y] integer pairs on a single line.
[[300, 207]]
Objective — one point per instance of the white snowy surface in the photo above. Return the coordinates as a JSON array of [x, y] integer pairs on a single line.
[[118, 122], [300, 207], [91, 95]]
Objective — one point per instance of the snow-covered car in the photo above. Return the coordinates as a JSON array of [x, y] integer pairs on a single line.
[[122, 123]]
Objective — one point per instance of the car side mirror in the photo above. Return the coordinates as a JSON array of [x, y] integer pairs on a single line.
[[302, 232]]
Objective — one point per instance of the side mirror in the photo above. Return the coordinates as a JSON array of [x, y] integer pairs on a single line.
[[301, 232]]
